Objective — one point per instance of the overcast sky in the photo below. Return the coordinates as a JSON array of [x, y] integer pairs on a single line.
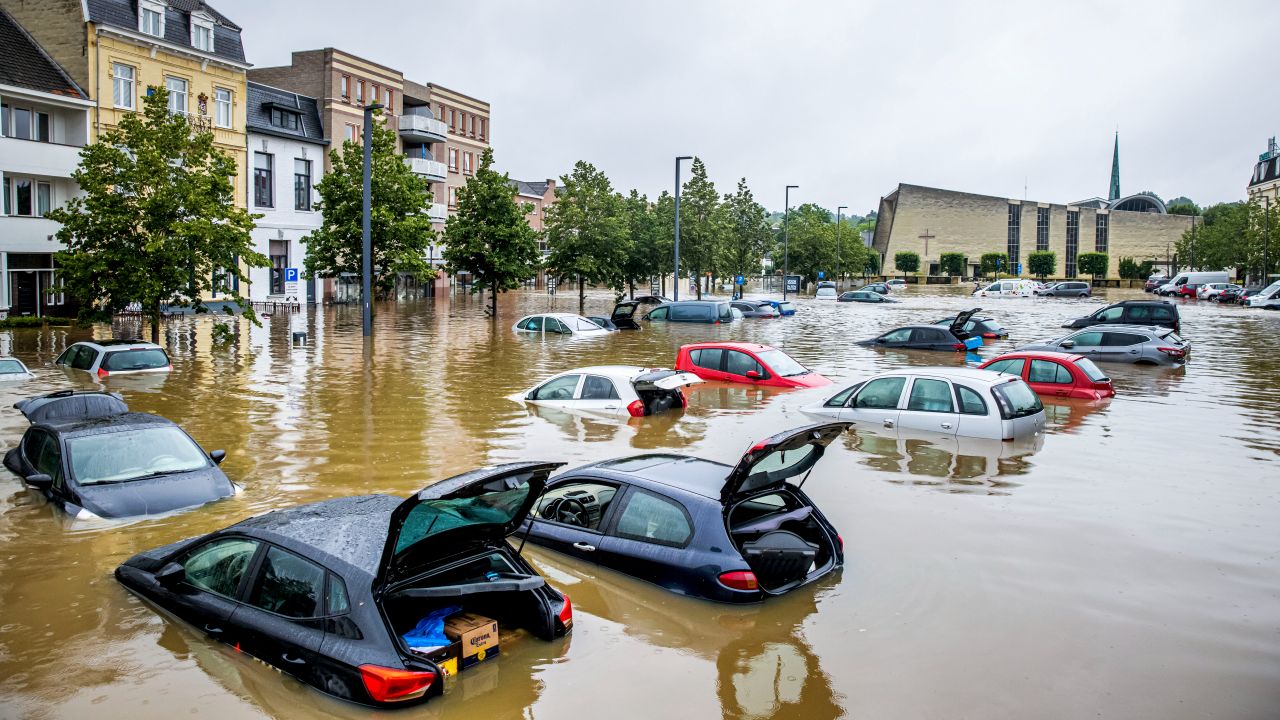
[[844, 99]]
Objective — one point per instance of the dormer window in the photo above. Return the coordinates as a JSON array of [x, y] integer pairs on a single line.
[[151, 18], [202, 32], [284, 119]]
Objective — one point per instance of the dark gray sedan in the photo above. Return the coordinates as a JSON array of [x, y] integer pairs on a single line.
[[1140, 344], [1066, 289]]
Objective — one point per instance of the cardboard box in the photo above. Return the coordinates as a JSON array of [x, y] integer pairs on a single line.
[[446, 658], [477, 634]]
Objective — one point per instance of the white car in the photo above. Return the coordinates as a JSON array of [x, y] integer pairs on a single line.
[[115, 357], [896, 283], [1208, 290], [1269, 297], [1007, 288], [11, 368], [826, 293], [612, 391], [951, 401], [558, 324]]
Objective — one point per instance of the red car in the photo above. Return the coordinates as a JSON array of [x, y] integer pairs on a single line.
[[1055, 374], [746, 363]]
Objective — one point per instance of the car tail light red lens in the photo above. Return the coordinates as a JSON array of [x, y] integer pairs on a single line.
[[391, 685], [1172, 351], [740, 580], [566, 614], [102, 373], [636, 408], [684, 401], [991, 336], [959, 347], [841, 541]]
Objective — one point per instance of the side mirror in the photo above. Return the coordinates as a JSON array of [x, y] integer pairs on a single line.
[[217, 456], [879, 341], [753, 375], [170, 575], [1068, 344], [40, 481]]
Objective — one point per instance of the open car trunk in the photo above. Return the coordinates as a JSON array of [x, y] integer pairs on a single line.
[[659, 390], [782, 539]]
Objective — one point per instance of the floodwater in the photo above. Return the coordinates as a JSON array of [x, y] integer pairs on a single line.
[[1125, 565]]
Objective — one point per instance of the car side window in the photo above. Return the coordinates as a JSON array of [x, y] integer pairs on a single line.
[[336, 596], [929, 395], [726, 312], [971, 403], [560, 388], [49, 460], [523, 324], [658, 314], [1047, 371], [288, 585], [900, 335], [841, 398], [554, 325], [1087, 339], [1012, 366], [1139, 313], [1110, 314], [652, 518], [1162, 313], [740, 363], [928, 335], [219, 566], [65, 357], [881, 393], [1115, 339], [598, 388], [708, 358], [534, 324], [578, 503]]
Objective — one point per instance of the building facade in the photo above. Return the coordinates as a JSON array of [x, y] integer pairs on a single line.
[[1264, 184], [44, 121], [931, 221], [287, 151]]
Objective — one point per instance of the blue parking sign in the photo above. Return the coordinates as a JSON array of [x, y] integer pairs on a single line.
[[739, 280], [821, 274], [291, 274]]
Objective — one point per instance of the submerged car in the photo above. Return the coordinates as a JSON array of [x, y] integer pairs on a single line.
[[1066, 289], [784, 307], [1133, 312], [115, 357], [825, 291], [1055, 374], [953, 338], [11, 368], [1140, 344], [950, 401], [710, 312], [755, 309], [327, 592], [880, 288], [93, 458], [896, 283], [986, 328], [1007, 288], [746, 363], [696, 527], [558, 324], [613, 390], [865, 296]]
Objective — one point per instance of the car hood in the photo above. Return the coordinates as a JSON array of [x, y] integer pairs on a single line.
[[155, 495], [809, 379]]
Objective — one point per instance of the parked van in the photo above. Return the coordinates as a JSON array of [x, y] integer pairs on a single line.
[[1007, 288], [1185, 284], [1269, 297]]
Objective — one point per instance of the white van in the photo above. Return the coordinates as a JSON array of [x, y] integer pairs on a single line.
[[1007, 288], [1268, 298], [1186, 283]]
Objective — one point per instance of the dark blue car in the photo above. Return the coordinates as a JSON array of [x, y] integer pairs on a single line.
[[696, 527]]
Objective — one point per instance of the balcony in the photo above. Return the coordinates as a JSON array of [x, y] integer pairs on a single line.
[[437, 212], [430, 169], [422, 129], [29, 157]]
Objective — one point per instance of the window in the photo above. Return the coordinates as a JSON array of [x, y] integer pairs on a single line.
[[709, 358], [21, 124], [151, 18], [882, 393], [1111, 314], [351, 132], [360, 92], [484, 128], [222, 107], [652, 518], [301, 184], [1115, 339], [1008, 367], [452, 123], [1091, 371], [466, 163], [453, 197], [201, 34], [284, 119], [288, 585], [1047, 371], [1016, 399], [337, 596], [740, 363], [177, 95], [45, 456], [22, 196], [346, 87], [373, 93], [782, 363], [582, 504], [122, 85], [1139, 314], [930, 396], [692, 312], [1087, 339], [842, 397], [471, 125], [1163, 312], [971, 403], [1100, 238], [893, 336], [219, 566], [1042, 229], [387, 98], [560, 388], [122, 456], [44, 198], [453, 159], [658, 314], [598, 388], [262, 189], [1015, 233], [8, 196], [930, 335]]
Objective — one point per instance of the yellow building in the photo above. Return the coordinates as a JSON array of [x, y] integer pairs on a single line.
[[117, 50]]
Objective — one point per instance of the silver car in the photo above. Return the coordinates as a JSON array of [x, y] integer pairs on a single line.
[[1143, 344]]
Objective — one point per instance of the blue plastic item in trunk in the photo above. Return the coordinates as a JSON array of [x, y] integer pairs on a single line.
[[973, 343], [428, 634]]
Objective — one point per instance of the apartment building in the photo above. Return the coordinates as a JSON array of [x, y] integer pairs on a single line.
[[1264, 184], [44, 121]]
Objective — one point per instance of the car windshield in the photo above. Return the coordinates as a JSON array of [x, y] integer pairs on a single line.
[[8, 366], [493, 503], [145, 359], [133, 454], [1091, 371], [781, 363], [826, 292], [1017, 399]]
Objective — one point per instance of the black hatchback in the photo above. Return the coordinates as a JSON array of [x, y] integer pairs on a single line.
[[1133, 312], [954, 337], [696, 527], [327, 592]]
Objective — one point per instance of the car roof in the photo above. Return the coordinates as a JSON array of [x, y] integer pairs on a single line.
[[694, 302], [316, 527], [1144, 302], [127, 344], [1112, 327], [554, 315], [99, 425], [621, 372], [988, 377], [1037, 355], [752, 347], [682, 472]]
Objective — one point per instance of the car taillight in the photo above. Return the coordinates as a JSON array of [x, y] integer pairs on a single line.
[[566, 614], [684, 401], [102, 373], [636, 408], [1172, 351], [841, 541], [740, 580], [959, 347], [991, 336], [391, 685]]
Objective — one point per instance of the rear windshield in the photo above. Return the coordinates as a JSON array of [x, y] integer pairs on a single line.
[[146, 359], [1173, 336], [691, 312], [11, 366], [1016, 400], [493, 503], [132, 455], [1091, 371], [782, 363]]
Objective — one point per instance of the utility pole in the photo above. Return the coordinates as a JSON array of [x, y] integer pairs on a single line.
[[839, 274], [786, 244], [675, 285], [1266, 240], [366, 233]]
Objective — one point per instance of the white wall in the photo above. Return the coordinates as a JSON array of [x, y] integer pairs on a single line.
[[282, 221]]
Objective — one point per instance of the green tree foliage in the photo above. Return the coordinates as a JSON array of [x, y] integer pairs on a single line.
[[991, 263], [951, 263], [586, 230], [489, 236], [812, 237], [1220, 239], [906, 262], [1093, 263], [401, 231], [648, 255], [1130, 269], [157, 223], [851, 254], [1183, 208], [871, 263], [703, 224], [1042, 263], [748, 237]]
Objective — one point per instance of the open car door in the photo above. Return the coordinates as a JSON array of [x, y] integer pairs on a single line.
[[623, 315], [774, 460], [957, 328]]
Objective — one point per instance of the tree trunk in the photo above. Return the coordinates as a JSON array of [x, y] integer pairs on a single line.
[[662, 284], [697, 284], [155, 321], [582, 295], [632, 287], [493, 302]]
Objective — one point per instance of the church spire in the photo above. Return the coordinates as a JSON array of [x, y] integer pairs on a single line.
[[1114, 193]]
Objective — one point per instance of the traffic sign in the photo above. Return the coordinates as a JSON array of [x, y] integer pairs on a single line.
[[739, 280], [821, 274], [793, 283], [291, 289]]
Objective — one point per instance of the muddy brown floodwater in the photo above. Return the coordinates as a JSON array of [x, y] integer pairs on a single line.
[[1125, 565]]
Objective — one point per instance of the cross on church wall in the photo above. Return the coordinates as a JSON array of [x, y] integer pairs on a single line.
[[926, 237]]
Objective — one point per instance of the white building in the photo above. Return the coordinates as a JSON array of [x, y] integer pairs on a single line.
[[44, 121], [286, 160]]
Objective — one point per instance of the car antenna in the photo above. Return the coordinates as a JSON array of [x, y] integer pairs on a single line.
[[536, 504]]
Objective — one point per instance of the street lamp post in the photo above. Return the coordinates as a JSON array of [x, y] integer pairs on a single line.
[[786, 244], [366, 232], [675, 282], [1266, 239], [839, 269]]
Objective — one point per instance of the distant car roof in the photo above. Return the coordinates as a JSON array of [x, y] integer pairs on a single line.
[[129, 344], [988, 377], [685, 472], [1036, 354], [614, 371], [753, 347], [695, 302], [65, 406], [359, 542], [1145, 302], [1112, 327]]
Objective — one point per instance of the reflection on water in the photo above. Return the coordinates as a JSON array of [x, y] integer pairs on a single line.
[[1136, 528]]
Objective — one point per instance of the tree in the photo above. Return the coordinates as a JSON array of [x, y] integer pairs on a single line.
[[991, 263], [587, 231], [906, 262], [703, 224], [1220, 239], [1132, 270], [1042, 263], [1093, 263], [748, 236], [850, 251], [812, 240], [647, 254], [157, 223], [1183, 208], [951, 263], [400, 229], [871, 264], [489, 236]]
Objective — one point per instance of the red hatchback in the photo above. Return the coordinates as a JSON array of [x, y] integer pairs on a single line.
[[1055, 374], [746, 363]]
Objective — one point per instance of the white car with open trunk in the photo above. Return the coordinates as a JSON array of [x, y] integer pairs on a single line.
[[612, 391]]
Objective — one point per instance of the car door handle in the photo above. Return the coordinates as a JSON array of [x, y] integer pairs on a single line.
[[946, 426], [585, 547], [212, 630], [888, 423], [292, 660]]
